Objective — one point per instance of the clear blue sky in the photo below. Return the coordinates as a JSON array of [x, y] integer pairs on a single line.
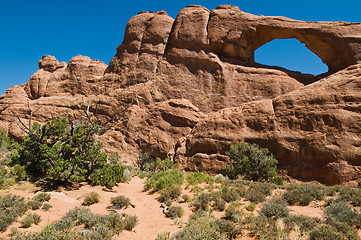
[[31, 29]]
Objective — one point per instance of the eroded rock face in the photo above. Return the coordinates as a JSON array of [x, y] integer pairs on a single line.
[[314, 132], [188, 88]]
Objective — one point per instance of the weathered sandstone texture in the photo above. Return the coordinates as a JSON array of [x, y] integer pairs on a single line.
[[188, 88]]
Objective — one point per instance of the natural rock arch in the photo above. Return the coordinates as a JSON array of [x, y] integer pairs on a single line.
[[332, 51], [290, 54]]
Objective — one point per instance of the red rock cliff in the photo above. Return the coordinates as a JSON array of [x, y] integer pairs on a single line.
[[188, 88]]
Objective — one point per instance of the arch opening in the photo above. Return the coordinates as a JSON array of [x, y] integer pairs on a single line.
[[291, 55]]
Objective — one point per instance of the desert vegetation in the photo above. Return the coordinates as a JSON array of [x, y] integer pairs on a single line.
[[247, 200]]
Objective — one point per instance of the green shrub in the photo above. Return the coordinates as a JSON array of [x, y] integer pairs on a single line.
[[46, 206], [277, 181], [261, 227], [42, 197], [303, 194], [340, 212], [347, 230], [109, 175], [186, 198], [171, 193], [195, 178], [219, 178], [201, 202], [18, 172], [251, 207], [59, 151], [120, 202], [250, 161], [162, 180], [130, 222], [11, 207], [351, 195], [5, 142], [163, 236], [81, 224], [234, 212], [146, 162], [63, 224], [325, 232], [255, 196], [91, 198], [175, 212], [29, 220], [274, 209], [34, 205], [203, 226], [11, 176], [263, 187], [127, 175], [230, 194], [218, 204], [305, 224], [196, 189]]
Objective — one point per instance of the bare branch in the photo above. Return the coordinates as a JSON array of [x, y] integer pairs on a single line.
[[86, 111], [22, 126]]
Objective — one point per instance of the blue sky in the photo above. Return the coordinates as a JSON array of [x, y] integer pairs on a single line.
[[31, 29]]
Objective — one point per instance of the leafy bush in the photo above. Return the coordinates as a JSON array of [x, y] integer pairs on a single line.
[[202, 226], [11, 207], [5, 142], [201, 202], [255, 196], [127, 175], [46, 206], [274, 209], [340, 212], [34, 205], [165, 179], [163, 236], [9, 178], [42, 197], [81, 224], [351, 195], [91, 198], [217, 202], [120, 202], [29, 220], [303, 194], [250, 161], [263, 187], [146, 162], [230, 194], [195, 178], [175, 212], [109, 175], [325, 232], [186, 198], [18, 172], [171, 193], [277, 181], [61, 152], [304, 223], [262, 227], [251, 207], [234, 212], [130, 222]]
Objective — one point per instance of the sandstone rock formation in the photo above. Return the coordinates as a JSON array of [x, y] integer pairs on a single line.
[[188, 88]]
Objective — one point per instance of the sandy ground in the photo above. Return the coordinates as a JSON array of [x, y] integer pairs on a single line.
[[151, 219]]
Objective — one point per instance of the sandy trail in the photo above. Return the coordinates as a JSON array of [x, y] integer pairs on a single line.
[[151, 219]]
